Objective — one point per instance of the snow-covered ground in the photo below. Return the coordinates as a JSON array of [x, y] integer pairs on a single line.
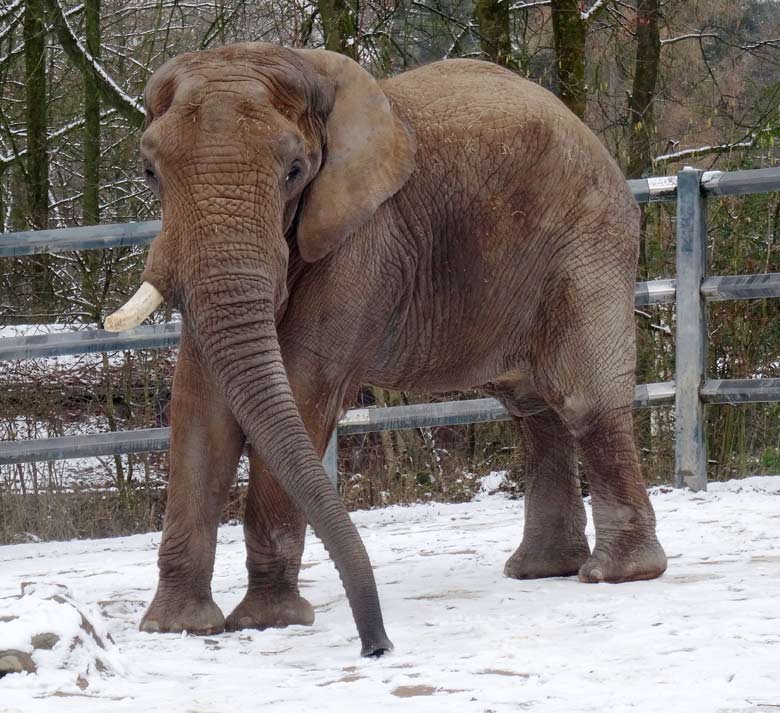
[[705, 637]]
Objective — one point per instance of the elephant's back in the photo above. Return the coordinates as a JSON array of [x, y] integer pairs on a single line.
[[480, 115]]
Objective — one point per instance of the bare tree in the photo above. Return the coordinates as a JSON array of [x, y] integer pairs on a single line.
[[640, 101], [37, 164], [340, 26], [493, 22]]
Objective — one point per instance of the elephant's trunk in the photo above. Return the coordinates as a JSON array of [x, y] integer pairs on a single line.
[[236, 333], [229, 295]]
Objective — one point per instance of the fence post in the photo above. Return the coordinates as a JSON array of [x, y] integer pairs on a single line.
[[331, 459], [691, 339]]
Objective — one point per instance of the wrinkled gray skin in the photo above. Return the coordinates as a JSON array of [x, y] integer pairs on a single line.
[[470, 233]]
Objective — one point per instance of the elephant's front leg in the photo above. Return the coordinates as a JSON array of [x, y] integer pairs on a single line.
[[206, 443], [275, 530]]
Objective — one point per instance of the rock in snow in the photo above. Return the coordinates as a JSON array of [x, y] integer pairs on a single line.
[[44, 626], [705, 637]]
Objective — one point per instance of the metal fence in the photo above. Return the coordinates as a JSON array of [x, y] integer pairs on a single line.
[[690, 391]]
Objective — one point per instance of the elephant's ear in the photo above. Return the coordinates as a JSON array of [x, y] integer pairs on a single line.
[[369, 156]]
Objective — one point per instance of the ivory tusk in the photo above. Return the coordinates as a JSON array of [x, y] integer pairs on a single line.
[[135, 310]]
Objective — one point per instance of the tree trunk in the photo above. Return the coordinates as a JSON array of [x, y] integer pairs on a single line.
[[18, 197], [569, 32], [493, 21], [339, 24], [388, 450], [37, 165], [640, 102], [3, 205], [91, 202]]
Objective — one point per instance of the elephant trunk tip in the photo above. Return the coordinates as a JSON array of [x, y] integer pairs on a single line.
[[376, 646], [147, 299]]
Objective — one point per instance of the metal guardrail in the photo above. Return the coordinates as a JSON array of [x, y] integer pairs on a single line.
[[370, 420], [92, 237], [89, 341], [691, 290], [355, 421], [157, 336]]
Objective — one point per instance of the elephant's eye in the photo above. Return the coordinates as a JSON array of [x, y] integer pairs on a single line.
[[293, 175], [150, 176]]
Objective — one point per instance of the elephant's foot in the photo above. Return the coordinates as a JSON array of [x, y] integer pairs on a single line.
[[630, 562], [172, 614], [535, 561], [265, 610]]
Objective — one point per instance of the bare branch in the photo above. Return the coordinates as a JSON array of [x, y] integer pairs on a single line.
[[594, 9], [691, 36], [529, 5], [111, 92], [719, 148], [72, 126], [9, 10], [763, 43]]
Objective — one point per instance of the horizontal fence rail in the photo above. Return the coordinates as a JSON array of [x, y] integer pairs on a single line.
[[92, 237], [122, 235], [90, 341], [157, 336], [355, 421], [689, 395], [372, 420]]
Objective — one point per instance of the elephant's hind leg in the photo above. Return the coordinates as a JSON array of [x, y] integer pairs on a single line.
[[588, 377], [274, 531], [626, 545], [554, 542], [206, 443]]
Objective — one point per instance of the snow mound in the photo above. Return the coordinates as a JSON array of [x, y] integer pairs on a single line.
[[45, 631], [491, 484], [769, 484]]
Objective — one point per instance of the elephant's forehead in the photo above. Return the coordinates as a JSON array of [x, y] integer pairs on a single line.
[[243, 86], [195, 87]]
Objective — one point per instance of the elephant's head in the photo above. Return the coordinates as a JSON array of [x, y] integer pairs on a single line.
[[247, 147]]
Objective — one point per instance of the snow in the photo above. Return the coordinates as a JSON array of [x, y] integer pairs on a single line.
[[30, 330], [693, 153], [587, 14], [490, 484], [528, 5], [704, 637], [63, 360]]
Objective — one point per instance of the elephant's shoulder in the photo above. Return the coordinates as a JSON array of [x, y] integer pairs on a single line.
[[458, 84], [455, 73]]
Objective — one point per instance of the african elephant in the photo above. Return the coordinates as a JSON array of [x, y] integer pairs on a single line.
[[454, 227]]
